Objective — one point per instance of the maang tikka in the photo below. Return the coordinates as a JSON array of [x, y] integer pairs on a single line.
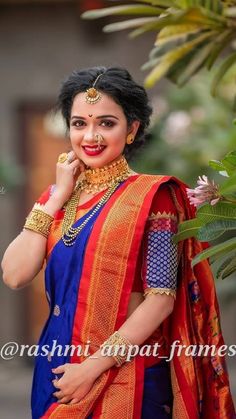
[[92, 94]]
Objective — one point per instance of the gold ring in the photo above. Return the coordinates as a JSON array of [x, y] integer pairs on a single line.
[[62, 158]]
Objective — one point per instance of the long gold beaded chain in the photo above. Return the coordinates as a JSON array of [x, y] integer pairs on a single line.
[[70, 233], [70, 208]]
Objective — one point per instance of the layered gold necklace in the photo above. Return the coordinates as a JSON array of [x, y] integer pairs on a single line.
[[95, 180]]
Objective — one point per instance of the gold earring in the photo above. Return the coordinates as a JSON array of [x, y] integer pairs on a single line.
[[130, 139]]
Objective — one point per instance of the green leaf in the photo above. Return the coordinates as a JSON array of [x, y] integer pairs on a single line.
[[221, 42], [176, 70], [224, 67], [195, 64], [221, 211], [215, 229], [131, 23], [214, 6], [216, 165], [229, 185], [146, 23], [224, 173], [227, 267], [134, 9], [171, 57], [174, 32], [204, 16], [187, 229], [229, 162], [217, 250], [161, 3], [214, 16], [155, 57], [140, 31]]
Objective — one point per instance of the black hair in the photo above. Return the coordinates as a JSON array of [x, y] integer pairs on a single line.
[[120, 86]]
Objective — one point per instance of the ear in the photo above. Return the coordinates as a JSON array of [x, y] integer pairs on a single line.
[[133, 128]]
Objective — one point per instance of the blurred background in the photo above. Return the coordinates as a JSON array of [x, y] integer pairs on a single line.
[[41, 42]]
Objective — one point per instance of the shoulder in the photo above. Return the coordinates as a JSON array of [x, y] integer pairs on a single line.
[[165, 182], [170, 196]]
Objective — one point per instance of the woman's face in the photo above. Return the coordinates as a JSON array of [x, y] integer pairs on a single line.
[[105, 118]]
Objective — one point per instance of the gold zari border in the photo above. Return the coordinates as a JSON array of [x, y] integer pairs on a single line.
[[164, 214], [159, 290]]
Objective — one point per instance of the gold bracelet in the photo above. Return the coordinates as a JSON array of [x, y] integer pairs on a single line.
[[118, 347], [39, 221]]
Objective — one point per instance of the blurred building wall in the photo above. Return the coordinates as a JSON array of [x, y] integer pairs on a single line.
[[39, 47]]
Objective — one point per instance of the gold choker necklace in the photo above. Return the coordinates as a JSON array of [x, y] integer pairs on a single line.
[[95, 180]]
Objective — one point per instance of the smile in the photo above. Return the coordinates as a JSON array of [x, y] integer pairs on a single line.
[[93, 150]]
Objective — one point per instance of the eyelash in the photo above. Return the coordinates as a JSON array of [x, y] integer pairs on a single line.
[[107, 122]]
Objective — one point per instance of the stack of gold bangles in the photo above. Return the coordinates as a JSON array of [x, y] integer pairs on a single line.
[[39, 221], [118, 347]]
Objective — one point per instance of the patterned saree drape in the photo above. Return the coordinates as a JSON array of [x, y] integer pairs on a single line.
[[89, 286]]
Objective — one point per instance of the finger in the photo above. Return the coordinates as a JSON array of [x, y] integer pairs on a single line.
[[74, 164], [65, 399], [74, 401], [60, 369], [58, 394], [55, 383], [71, 156]]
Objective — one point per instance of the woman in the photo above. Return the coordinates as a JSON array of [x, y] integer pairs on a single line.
[[113, 273]]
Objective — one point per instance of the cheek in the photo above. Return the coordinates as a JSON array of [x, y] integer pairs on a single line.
[[75, 136], [119, 137]]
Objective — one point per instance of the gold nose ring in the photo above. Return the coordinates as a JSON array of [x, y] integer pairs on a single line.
[[99, 139]]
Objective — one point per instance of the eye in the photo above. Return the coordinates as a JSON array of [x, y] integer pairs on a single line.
[[107, 123], [78, 123]]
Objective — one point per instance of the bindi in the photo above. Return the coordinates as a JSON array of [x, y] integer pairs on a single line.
[[90, 115]]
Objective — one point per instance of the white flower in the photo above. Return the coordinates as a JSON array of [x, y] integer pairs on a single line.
[[206, 191]]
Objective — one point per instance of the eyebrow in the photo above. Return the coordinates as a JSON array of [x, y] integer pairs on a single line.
[[98, 117]]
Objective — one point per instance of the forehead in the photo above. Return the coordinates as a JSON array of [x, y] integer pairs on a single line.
[[106, 105]]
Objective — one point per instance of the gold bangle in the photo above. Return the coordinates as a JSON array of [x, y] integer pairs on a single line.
[[39, 221], [118, 347]]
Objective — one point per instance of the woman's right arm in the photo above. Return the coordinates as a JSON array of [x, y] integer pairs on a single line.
[[25, 255]]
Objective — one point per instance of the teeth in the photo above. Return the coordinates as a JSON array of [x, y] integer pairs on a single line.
[[92, 148]]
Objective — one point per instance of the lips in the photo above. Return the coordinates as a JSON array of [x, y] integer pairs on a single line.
[[93, 150]]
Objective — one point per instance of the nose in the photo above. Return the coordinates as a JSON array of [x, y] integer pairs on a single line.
[[89, 135]]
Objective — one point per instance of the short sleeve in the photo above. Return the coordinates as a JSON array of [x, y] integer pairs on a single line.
[[160, 253], [44, 197]]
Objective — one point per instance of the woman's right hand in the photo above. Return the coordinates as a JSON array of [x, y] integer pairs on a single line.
[[66, 176]]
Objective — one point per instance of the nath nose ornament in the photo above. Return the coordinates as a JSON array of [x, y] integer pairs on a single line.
[[99, 139]]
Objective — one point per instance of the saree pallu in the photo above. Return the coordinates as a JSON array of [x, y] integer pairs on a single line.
[[89, 286]]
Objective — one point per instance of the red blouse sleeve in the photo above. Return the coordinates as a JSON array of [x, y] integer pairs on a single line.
[[44, 197], [160, 254]]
